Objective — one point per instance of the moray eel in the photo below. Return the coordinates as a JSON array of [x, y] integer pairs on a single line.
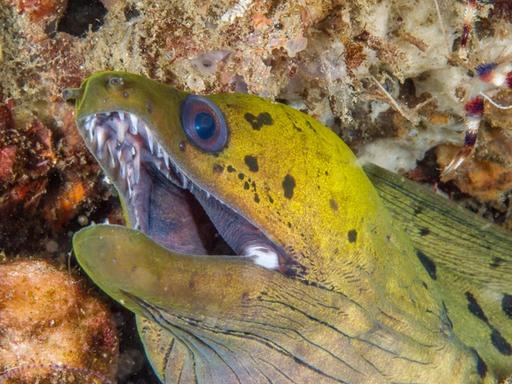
[[257, 250]]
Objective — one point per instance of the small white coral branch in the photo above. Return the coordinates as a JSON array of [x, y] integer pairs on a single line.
[[237, 11]]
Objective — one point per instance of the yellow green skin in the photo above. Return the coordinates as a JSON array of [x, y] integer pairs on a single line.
[[363, 310]]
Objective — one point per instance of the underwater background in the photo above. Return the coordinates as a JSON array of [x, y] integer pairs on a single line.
[[388, 76]]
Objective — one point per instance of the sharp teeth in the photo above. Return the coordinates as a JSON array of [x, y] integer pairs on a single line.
[[123, 169], [122, 116], [90, 129], [122, 128], [133, 124], [101, 136], [111, 146], [167, 160], [124, 157], [160, 151], [184, 182], [149, 137]]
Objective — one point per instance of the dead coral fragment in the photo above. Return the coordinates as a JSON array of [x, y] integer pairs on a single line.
[[51, 330]]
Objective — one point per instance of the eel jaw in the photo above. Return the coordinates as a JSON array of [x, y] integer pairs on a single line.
[[161, 200]]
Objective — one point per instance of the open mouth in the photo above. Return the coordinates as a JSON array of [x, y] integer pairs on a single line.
[[162, 201]]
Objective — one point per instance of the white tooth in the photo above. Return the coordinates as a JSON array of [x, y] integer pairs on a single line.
[[133, 124], [101, 136], [167, 160], [90, 130], [123, 169], [160, 151], [91, 127], [122, 116], [149, 137], [111, 146], [184, 182], [122, 128], [133, 151]]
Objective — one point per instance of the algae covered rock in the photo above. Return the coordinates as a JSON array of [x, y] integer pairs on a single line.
[[51, 328]]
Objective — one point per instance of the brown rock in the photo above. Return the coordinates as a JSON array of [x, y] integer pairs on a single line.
[[51, 328]]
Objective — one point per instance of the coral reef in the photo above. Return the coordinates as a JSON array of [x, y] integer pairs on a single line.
[[52, 329], [388, 76]]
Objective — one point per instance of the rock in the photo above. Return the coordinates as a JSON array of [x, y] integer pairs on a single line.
[[51, 327]]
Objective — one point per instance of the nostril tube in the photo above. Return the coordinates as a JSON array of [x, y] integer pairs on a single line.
[[71, 94]]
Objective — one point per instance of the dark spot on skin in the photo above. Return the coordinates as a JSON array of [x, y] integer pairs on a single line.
[[126, 94], [310, 126], [506, 304], [252, 163], [496, 262], [424, 231], [241, 176], [259, 121], [191, 284], [499, 342], [418, 210], [288, 186], [326, 173], [182, 146], [289, 224], [475, 308], [352, 236], [231, 169], [246, 185], [218, 168], [424, 285], [481, 367], [333, 204], [245, 297], [428, 264], [256, 198], [149, 106], [270, 199], [297, 128]]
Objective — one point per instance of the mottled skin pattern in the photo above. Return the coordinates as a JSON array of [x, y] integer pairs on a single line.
[[362, 305]]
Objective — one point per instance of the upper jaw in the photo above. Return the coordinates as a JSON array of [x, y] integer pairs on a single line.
[[129, 153], [126, 147]]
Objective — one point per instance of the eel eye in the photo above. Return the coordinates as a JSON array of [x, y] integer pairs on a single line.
[[115, 81], [204, 123]]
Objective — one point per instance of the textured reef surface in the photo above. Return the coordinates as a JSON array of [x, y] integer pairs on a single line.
[[388, 76]]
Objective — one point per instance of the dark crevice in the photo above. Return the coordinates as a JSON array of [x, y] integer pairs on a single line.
[[79, 15], [130, 12]]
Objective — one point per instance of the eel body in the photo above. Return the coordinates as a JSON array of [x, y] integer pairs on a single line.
[[257, 250]]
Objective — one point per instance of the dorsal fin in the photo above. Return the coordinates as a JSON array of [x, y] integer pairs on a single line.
[[458, 239], [468, 256]]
